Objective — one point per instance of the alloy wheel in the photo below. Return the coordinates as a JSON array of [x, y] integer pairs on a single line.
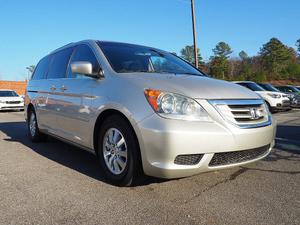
[[32, 124], [115, 151]]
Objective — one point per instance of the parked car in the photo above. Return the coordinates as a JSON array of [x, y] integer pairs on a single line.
[[270, 87], [10, 100], [275, 101], [141, 109], [293, 94], [288, 89]]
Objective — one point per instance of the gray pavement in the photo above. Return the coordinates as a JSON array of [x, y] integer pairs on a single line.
[[55, 183]]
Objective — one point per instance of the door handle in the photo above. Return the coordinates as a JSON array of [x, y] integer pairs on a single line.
[[63, 88], [53, 88]]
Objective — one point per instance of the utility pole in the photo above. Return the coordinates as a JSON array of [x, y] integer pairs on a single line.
[[194, 34]]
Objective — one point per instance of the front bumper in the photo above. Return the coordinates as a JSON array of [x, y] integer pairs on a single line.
[[281, 104], [162, 140], [284, 105]]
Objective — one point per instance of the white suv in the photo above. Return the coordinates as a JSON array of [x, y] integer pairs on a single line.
[[10, 100], [275, 100]]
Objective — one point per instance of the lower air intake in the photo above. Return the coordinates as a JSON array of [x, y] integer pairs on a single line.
[[226, 158], [192, 159]]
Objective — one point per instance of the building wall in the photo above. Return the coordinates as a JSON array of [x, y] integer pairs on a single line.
[[17, 86]]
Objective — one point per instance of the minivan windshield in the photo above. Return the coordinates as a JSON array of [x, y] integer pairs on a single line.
[[8, 94], [129, 58]]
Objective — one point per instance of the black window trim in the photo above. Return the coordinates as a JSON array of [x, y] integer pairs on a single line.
[[50, 56], [74, 50], [51, 61]]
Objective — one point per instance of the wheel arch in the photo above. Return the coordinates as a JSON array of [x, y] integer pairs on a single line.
[[99, 121], [29, 107]]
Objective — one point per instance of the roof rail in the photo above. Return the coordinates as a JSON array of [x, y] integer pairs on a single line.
[[65, 46]]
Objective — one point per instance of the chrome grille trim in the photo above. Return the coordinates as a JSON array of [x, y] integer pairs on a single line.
[[240, 112]]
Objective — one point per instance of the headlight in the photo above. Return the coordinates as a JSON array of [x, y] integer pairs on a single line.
[[275, 95], [2, 101], [175, 106]]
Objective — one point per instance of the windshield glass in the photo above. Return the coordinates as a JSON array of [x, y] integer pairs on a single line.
[[8, 94], [287, 89], [128, 58], [294, 89], [269, 87], [252, 86]]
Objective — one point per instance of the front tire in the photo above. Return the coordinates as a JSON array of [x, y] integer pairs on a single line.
[[118, 151], [33, 130]]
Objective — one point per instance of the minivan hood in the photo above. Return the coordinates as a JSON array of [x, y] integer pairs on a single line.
[[193, 86]]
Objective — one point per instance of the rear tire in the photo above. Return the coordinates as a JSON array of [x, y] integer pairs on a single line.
[[118, 151], [33, 129]]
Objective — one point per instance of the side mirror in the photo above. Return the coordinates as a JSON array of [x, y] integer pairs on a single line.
[[85, 68]]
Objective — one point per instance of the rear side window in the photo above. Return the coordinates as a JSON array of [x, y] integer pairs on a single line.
[[41, 69], [60, 61], [84, 53]]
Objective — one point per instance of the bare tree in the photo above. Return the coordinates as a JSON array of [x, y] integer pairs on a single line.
[[30, 70]]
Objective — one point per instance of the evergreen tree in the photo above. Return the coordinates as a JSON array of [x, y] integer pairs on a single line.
[[219, 62], [187, 53], [275, 57], [298, 46]]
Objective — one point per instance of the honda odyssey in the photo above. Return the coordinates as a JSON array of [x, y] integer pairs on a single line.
[[144, 110]]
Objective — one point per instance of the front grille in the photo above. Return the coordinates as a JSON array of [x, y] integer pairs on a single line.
[[13, 102], [243, 113], [226, 158], [191, 159], [11, 107]]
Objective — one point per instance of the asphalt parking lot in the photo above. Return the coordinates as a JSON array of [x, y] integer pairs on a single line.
[[55, 183]]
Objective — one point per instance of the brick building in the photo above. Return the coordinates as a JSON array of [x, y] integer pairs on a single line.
[[17, 86]]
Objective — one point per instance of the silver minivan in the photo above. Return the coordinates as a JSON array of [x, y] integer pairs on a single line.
[[144, 110]]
